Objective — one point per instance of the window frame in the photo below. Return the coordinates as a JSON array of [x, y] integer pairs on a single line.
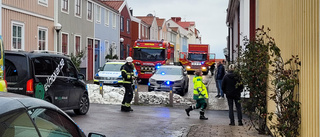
[[98, 14], [106, 17], [14, 23], [122, 24], [46, 37], [76, 6], [89, 11], [64, 33], [63, 6], [114, 21], [75, 44], [128, 26]]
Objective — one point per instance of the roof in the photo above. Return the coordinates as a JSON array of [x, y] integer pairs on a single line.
[[11, 101], [160, 22], [114, 4], [175, 29], [147, 19]]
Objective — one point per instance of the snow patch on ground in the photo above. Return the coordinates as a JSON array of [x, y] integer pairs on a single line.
[[114, 95]]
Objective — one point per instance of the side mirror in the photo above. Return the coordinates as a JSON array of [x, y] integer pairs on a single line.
[[81, 76], [95, 135], [185, 73]]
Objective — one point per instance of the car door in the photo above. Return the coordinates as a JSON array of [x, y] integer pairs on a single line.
[[76, 89], [55, 83]]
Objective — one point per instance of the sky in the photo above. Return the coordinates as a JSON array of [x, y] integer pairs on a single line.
[[208, 15]]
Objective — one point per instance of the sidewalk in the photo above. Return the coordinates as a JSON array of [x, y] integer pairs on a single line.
[[217, 129]]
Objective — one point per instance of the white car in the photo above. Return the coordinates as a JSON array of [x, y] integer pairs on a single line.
[[169, 77], [110, 73]]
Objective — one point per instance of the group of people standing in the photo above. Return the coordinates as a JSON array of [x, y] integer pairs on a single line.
[[227, 83]]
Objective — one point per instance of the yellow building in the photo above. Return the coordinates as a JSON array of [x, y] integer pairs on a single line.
[[294, 25]]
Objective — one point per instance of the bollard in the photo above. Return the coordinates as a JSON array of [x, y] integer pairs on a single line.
[[136, 94], [171, 96], [101, 87]]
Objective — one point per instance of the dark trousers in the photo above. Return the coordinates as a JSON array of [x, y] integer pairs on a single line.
[[128, 95], [238, 106]]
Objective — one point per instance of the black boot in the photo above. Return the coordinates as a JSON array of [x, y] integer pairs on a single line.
[[240, 123], [231, 123], [202, 117], [124, 109], [130, 109], [188, 110]]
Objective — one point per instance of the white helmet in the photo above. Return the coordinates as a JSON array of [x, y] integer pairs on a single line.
[[129, 59]]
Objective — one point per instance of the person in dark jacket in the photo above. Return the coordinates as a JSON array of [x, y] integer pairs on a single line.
[[127, 77], [233, 91], [219, 77], [212, 67]]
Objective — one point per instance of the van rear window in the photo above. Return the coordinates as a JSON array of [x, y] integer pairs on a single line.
[[16, 67]]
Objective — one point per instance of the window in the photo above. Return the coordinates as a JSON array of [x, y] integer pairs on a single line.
[[128, 26], [65, 5], [114, 49], [43, 2], [17, 35], [42, 66], [78, 39], [65, 43], [107, 51], [114, 24], [142, 31], [106, 18], [69, 70], [121, 24], [78, 8], [98, 14], [42, 38], [55, 123], [89, 12]]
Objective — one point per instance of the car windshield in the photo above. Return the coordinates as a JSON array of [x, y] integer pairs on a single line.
[[169, 71], [111, 67], [149, 54]]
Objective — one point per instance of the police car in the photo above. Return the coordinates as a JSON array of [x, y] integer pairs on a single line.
[[110, 73]]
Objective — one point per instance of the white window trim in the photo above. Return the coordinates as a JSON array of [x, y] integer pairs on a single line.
[[98, 14], [114, 49], [107, 46], [128, 26], [75, 9], [75, 42], [92, 16], [67, 12], [43, 3], [100, 50], [106, 17], [114, 21], [46, 30], [62, 41], [22, 34]]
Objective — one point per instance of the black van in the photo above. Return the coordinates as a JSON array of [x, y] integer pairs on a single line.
[[52, 77]]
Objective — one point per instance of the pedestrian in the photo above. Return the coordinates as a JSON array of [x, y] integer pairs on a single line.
[[219, 77], [127, 80], [212, 67], [200, 94], [232, 88]]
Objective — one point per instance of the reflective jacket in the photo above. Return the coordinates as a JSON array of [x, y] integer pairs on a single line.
[[199, 89], [127, 73]]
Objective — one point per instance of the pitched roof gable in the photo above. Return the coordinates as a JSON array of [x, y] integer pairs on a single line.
[[146, 19], [160, 22], [114, 4]]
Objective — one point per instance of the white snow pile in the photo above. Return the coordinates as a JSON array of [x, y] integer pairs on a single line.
[[114, 95]]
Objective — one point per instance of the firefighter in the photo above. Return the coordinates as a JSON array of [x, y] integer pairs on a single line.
[[200, 94], [127, 76]]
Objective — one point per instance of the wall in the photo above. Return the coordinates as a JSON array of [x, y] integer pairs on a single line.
[[295, 26]]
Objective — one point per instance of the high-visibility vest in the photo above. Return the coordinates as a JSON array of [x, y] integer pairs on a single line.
[[199, 89]]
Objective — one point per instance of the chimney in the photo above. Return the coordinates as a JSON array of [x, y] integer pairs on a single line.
[[176, 19]]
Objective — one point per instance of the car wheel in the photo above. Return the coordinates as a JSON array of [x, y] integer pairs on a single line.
[[83, 105]]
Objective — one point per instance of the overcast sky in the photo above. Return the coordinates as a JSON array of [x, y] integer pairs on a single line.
[[209, 16]]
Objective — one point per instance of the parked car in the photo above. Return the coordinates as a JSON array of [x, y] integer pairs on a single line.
[[110, 73], [52, 77], [23, 116], [167, 76]]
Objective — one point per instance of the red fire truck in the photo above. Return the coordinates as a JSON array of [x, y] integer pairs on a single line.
[[197, 57], [148, 54]]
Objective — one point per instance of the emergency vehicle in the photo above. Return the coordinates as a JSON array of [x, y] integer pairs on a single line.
[[148, 54], [197, 57]]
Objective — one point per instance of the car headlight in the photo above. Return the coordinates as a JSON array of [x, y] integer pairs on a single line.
[[151, 80], [188, 67]]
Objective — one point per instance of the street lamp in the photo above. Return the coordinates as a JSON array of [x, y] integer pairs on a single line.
[[121, 48], [57, 27]]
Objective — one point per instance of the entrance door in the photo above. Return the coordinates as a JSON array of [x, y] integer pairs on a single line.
[[97, 56], [90, 59]]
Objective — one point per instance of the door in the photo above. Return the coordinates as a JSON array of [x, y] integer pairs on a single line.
[[90, 59], [96, 56]]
